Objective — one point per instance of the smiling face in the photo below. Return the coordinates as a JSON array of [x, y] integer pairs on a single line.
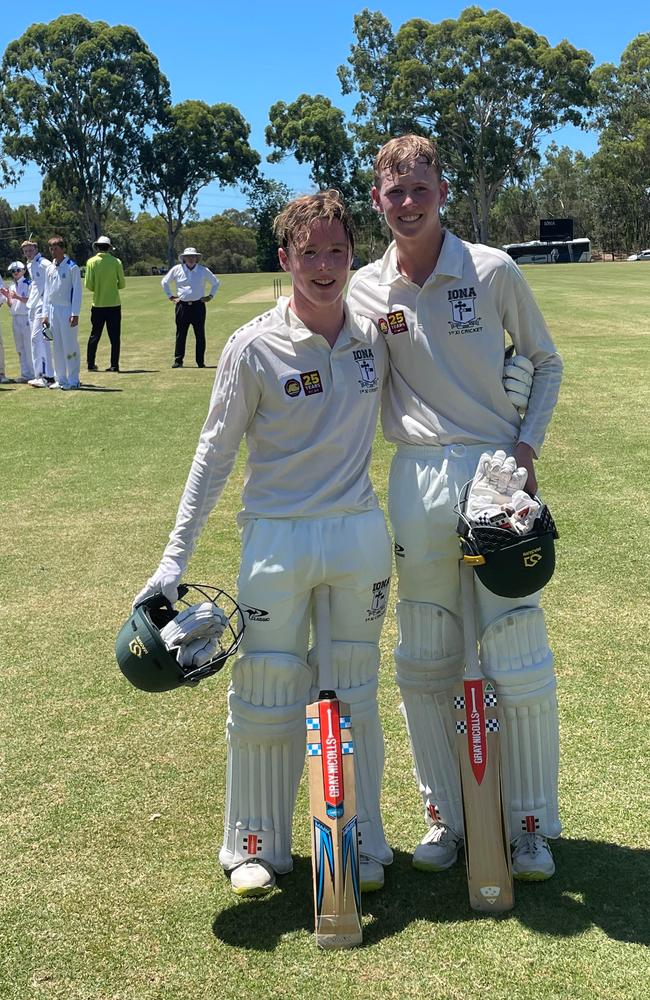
[[318, 265], [410, 200]]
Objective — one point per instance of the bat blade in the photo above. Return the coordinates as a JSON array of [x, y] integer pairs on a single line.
[[335, 842], [487, 843]]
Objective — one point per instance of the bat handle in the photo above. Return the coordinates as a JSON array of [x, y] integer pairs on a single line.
[[472, 663], [323, 637]]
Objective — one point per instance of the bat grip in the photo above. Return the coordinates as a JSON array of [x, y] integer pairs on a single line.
[[472, 662], [323, 637]]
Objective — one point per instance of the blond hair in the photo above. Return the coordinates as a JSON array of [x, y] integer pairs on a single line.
[[294, 222], [406, 149]]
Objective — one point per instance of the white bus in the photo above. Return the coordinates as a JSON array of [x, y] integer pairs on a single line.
[[550, 252]]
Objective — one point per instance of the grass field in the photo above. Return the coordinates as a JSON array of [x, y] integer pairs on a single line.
[[112, 800]]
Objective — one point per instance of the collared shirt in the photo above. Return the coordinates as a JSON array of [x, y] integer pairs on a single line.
[[104, 277], [308, 413], [37, 268], [446, 344], [63, 286], [20, 287], [190, 284]]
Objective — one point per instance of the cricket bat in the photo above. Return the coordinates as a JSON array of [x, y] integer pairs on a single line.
[[334, 835], [487, 841]]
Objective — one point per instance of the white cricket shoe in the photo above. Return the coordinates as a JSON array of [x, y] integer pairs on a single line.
[[371, 874], [438, 849], [253, 878], [39, 382], [54, 385], [532, 860]]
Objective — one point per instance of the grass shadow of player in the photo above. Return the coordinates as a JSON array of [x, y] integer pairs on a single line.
[[596, 884], [138, 371], [86, 387]]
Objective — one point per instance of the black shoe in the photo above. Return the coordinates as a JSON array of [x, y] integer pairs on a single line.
[[93, 368], [177, 364], [200, 366], [112, 369]]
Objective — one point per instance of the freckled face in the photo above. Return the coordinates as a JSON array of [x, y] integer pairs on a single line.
[[411, 200], [319, 267]]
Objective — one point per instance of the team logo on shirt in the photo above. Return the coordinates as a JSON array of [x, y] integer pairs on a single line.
[[311, 382], [397, 321], [366, 362], [462, 302], [400, 551], [382, 325], [379, 600], [292, 387]]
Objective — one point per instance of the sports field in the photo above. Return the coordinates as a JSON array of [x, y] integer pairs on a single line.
[[111, 799]]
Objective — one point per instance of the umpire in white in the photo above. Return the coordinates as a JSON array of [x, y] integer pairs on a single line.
[[185, 285]]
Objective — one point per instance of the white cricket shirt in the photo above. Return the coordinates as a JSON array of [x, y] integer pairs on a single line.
[[63, 286], [446, 344], [309, 414], [37, 270], [190, 284]]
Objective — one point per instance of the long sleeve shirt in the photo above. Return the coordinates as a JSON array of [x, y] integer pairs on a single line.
[[190, 284], [104, 277], [37, 268], [63, 286], [446, 343]]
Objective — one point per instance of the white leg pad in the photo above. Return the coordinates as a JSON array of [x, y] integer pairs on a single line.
[[266, 753], [355, 668], [429, 659], [516, 655]]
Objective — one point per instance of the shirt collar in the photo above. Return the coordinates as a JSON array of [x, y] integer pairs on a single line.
[[450, 261], [298, 331]]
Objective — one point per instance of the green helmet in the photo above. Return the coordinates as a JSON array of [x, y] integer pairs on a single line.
[[509, 565], [143, 656]]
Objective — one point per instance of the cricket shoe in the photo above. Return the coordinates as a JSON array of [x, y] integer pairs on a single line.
[[532, 860], [55, 385], [371, 874], [438, 849], [22, 380], [39, 383], [253, 878]]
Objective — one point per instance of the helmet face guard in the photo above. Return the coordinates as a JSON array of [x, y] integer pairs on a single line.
[[508, 564], [143, 656]]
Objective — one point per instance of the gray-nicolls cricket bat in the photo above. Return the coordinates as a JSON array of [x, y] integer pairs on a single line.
[[334, 834], [487, 841]]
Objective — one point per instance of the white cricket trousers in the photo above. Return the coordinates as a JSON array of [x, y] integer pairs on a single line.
[[65, 346], [23, 342], [41, 348], [276, 675]]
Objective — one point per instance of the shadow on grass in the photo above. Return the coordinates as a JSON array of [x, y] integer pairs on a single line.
[[89, 387], [596, 884]]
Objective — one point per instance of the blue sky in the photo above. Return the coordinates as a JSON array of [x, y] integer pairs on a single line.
[[255, 53]]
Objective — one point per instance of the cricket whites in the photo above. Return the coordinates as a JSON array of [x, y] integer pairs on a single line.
[[335, 841], [487, 841]]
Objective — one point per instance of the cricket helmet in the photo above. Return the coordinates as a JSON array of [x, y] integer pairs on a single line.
[[143, 656], [508, 564]]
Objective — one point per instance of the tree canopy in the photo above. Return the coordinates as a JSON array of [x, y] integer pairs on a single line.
[[79, 95], [195, 144]]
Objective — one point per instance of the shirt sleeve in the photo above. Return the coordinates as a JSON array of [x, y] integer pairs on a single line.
[[45, 296], [529, 333], [89, 277], [214, 282], [234, 401], [166, 282], [75, 277]]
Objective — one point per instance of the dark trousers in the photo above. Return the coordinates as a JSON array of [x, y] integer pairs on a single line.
[[111, 316], [190, 314]]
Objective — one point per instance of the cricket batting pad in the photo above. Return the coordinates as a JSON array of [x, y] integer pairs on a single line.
[[429, 661], [266, 754], [516, 655]]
